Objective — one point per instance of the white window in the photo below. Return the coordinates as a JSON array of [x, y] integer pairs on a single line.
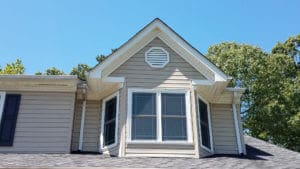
[[205, 124], [2, 99], [109, 124], [158, 115], [157, 57]]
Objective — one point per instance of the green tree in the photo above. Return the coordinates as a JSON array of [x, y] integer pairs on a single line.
[[54, 71], [16, 67], [271, 99], [51, 71], [290, 47], [38, 73], [100, 58], [80, 71]]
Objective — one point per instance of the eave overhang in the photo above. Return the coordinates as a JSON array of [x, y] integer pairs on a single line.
[[42, 83]]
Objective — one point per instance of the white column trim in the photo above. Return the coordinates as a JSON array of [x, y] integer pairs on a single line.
[[2, 102], [237, 129], [159, 117], [82, 124]]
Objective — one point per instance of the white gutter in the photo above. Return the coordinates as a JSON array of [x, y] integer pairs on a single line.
[[82, 120], [236, 124], [51, 77]]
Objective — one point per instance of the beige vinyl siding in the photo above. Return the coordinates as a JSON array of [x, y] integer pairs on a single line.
[[91, 133], [223, 129], [176, 74], [138, 74], [171, 150], [44, 123]]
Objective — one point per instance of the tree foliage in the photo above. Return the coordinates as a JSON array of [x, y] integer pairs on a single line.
[[16, 67], [100, 58], [51, 71], [80, 71], [272, 97], [290, 47]]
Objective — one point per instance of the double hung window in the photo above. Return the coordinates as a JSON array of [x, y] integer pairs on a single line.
[[159, 115]]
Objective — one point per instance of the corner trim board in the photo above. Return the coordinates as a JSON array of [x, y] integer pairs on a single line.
[[80, 145], [237, 129], [2, 101]]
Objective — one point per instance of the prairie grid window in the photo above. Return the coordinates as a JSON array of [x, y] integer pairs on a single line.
[[145, 116]]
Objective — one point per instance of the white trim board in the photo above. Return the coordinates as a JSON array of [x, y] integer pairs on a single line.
[[103, 148], [2, 102], [158, 92], [82, 121], [237, 129]]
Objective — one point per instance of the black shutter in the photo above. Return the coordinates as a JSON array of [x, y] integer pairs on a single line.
[[9, 119]]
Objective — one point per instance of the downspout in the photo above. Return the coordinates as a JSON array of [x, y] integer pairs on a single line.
[[82, 119], [236, 124]]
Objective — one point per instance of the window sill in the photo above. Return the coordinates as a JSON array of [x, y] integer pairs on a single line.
[[160, 142]]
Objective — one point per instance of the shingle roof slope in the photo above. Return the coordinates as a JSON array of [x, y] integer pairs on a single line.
[[260, 155]]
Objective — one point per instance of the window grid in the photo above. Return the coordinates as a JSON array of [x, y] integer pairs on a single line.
[[141, 114], [108, 123], [173, 116], [160, 116]]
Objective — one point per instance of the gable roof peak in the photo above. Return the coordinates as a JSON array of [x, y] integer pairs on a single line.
[[157, 23]]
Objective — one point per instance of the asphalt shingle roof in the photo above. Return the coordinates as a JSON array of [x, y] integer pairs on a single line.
[[260, 155]]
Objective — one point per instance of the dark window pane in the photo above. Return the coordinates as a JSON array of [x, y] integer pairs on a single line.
[[110, 121], [144, 104], [143, 116], [173, 104], [173, 117], [110, 133], [174, 128], [7, 127], [9, 119], [110, 109], [203, 111], [143, 128], [205, 137]]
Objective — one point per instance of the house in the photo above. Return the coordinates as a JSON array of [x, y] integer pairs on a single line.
[[155, 96]]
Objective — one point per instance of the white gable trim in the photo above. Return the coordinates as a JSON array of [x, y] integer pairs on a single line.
[[157, 26], [96, 72]]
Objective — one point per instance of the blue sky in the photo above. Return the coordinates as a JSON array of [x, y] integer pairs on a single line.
[[62, 33]]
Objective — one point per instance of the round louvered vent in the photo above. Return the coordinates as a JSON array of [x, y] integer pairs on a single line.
[[157, 57]]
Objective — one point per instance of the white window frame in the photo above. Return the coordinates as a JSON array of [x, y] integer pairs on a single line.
[[2, 101], [209, 124], [159, 115], [149, 50], [102, 146]]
